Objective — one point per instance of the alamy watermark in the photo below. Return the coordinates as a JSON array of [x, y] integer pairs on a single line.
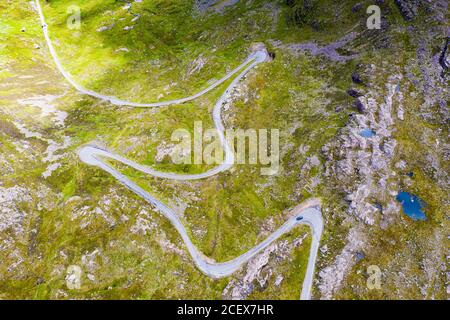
[[73, 277], [215, 147]]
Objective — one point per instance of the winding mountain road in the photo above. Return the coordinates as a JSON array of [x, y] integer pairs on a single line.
[[308, 213]]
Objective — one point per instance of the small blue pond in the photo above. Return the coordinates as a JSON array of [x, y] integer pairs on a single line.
[[412, 206], [367, 133]]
